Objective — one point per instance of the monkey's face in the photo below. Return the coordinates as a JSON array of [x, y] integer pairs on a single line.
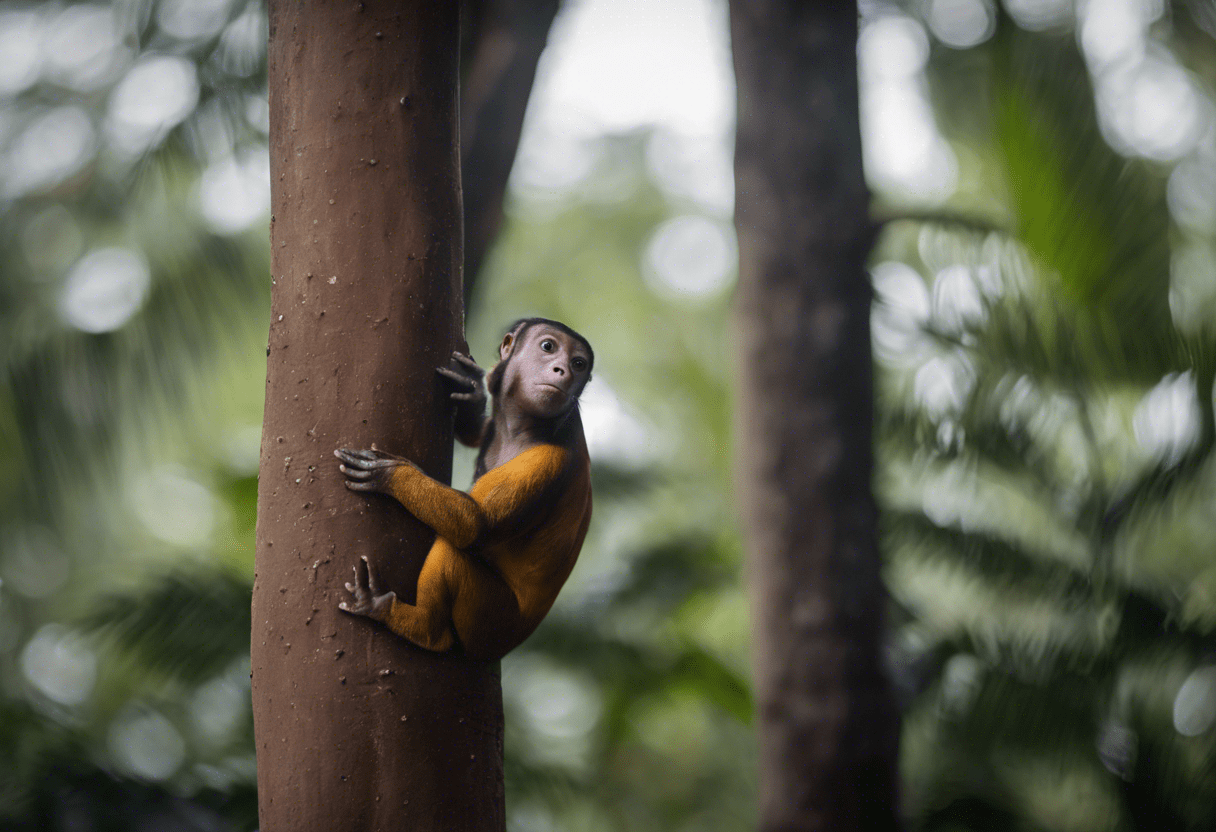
[[546, 371]]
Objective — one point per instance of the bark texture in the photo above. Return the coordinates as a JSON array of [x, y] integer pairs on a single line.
[[505, 41], [355, 728], [827, 723]]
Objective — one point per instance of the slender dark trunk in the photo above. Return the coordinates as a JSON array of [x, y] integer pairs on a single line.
[[827, 723], [355, 729], [505, 41]]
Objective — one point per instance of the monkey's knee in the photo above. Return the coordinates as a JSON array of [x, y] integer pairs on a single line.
[[425, 625]]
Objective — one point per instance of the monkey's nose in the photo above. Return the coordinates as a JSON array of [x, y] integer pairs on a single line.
[[561, 371]]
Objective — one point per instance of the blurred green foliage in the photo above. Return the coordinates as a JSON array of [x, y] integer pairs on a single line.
[[1046, 437], [1045, 345]]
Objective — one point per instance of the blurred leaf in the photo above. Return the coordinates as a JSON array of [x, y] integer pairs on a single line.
[[1094, 220], [669, 572], [189, 624], [707, 676]]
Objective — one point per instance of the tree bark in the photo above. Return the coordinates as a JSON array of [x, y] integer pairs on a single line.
[[828, 728], [506, 39], [355, 728]]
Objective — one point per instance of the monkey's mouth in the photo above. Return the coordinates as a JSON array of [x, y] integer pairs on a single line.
[[551, 386]]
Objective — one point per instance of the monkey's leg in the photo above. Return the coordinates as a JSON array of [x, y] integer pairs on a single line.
[[428, 621], [486, 613]]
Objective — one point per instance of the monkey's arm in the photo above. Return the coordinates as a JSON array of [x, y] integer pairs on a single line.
[[505, 500], [467, 381]]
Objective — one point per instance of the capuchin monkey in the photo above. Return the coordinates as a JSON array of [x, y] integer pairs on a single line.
[[503, 550]]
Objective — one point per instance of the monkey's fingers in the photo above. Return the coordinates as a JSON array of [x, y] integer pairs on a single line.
[[354, 463], [456, 376], [358, 473], [361, 576], [354, 485], [467, 360], [373, 585], [354, 457], [467, 397], [385, 456], [366, 460]]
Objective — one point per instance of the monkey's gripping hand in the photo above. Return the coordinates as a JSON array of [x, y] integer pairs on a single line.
[[367, 597], [468, 384], [370, 470], [468, 381]]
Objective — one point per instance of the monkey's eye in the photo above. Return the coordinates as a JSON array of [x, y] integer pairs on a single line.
[[579, 364], [547, 345]]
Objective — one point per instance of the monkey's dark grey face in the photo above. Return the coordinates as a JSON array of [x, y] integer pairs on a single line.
[[547, 371]]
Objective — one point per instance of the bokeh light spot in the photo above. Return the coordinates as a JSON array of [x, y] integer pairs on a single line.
[[1195, 703], [961, 24], [1193, 287], [1152, 110], [613, 434], [904, 154], [174, 506], [1166, 422], [105, 289], [59, 664], [21, 46], [54, 146], [690, 256], [219, 705], [154, 96], [942, 384], [83, 49], [146, 744], [191, 19], [1192, 191], [234, 193], [893, 46], [559, 709], [1037, 15], [957, 304], [901, 309], [243, 43]]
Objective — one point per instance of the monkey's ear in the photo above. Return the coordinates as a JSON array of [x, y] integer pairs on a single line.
[[508, 343]]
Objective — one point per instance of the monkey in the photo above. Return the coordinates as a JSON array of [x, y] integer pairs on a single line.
[[505, 548]]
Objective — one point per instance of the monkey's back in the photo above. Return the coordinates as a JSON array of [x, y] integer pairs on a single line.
[[534, 556]]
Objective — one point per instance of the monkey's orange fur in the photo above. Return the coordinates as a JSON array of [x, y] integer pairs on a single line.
[[502, 553]]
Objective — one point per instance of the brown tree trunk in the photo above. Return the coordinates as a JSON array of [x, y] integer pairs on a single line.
[[356, 729], [506, 39], [827, 723]]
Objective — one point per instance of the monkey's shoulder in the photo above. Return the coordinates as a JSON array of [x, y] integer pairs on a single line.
[[535, 468]]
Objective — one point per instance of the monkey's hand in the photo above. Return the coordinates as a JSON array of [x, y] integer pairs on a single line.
[[370, 470], [468, 384], [367, 597], [467, 380]]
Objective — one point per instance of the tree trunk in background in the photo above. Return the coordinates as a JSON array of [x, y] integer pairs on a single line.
[[505, 39], [827, 723], [356, 729]]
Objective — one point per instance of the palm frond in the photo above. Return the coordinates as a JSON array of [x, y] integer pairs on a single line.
[[1095, 221], [188, 625]]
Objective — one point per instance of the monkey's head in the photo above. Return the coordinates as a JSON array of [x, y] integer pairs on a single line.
[[543, 366]]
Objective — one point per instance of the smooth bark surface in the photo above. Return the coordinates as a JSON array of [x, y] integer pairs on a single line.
[[827, 723], [355, 728]]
